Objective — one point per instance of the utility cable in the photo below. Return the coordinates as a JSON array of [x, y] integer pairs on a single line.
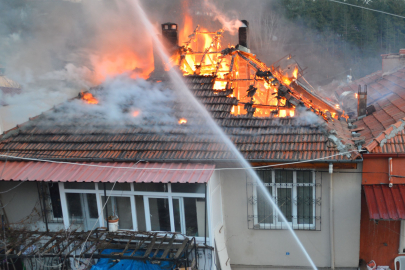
[[375, 10], [12, 188], [195, 169]]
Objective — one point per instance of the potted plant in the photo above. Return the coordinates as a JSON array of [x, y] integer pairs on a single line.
[[113, 223]]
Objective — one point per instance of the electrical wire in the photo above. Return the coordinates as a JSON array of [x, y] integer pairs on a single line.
[[12, 188], [195, 169], [375, 10]]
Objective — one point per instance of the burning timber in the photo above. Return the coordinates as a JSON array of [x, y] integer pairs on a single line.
[[261, 91]]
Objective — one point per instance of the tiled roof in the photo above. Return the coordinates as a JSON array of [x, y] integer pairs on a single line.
[[258, 139], [387, 94]]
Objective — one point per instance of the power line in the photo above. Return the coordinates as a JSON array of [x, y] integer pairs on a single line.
[[12, 188], [195, 169], [375, 10]]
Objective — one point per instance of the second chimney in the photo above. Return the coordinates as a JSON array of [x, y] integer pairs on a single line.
[[244, 34], [362, 102], [170, 36]]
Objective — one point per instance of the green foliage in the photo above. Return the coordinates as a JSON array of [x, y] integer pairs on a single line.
[[371, 32]]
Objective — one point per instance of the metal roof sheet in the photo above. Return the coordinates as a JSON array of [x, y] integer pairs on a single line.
[[106, 172], [384, 202]]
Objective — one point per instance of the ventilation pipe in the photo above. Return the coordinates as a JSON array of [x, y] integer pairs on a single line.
[[362, 102], [243, 33]]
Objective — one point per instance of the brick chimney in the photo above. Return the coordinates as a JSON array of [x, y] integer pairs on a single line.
[[362, 102], [244, 34], [393, 61], [170, 36]]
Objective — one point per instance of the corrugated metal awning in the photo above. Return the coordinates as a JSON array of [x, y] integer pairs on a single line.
[[105, 172], [384, 202]]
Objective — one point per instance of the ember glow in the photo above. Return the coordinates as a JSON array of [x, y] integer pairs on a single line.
[[255, 85], [182, 121], [135, 113], [89, 98]]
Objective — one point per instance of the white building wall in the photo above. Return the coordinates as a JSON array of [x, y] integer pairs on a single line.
[[269, 248], [22, 206]]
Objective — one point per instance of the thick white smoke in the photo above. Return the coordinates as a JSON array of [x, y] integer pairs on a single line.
[[228, 24]]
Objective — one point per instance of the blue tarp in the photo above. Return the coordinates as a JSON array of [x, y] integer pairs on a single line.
[[113, 264]]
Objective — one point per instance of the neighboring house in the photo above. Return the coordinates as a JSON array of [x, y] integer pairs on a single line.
[[7, 87], [381, 123], [181, 178]]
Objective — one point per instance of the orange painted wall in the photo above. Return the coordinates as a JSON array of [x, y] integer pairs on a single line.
[[378, 242], [375, 170]]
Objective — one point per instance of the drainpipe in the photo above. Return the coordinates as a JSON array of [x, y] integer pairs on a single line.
[[331, 219], [106, 206], [390, 172]]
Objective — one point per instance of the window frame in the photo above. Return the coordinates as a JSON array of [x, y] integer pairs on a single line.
[[277, 224], [131, 194]]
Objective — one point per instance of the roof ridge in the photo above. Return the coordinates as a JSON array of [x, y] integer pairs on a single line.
[[387, 134]]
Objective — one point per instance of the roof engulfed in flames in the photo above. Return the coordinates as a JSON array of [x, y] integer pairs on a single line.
[[262, 91]]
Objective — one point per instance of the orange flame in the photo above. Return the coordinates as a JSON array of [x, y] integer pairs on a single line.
[[135, 113], [182, 121], [89, 98], [295, 72], [187, 29], [127, 61]]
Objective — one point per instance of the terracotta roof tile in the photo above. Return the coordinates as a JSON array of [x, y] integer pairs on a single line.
[[261, 139]]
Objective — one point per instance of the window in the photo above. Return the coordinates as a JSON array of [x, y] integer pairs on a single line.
[[55, 200], [82, 209], [120, 207], [295, 193], [176, 207]]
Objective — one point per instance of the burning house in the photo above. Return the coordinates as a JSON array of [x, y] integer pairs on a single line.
[[7, 87], [167, 171]]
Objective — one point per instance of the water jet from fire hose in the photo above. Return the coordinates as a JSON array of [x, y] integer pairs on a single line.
[[178, 81]]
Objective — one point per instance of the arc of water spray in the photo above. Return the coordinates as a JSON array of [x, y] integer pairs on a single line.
[[179, 82]]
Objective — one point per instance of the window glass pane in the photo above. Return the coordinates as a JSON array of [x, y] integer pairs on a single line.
[[188, 188], [265, 176], [92, 205], [140, 213], [73, 185], [194, 212], [305, 204], [150, 187], [55, 200], [159, 214], [121, 207], [284, 203], [284, 177], [304, 177], [74, 205], [176, 214], [118, 186], [264, 207]]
